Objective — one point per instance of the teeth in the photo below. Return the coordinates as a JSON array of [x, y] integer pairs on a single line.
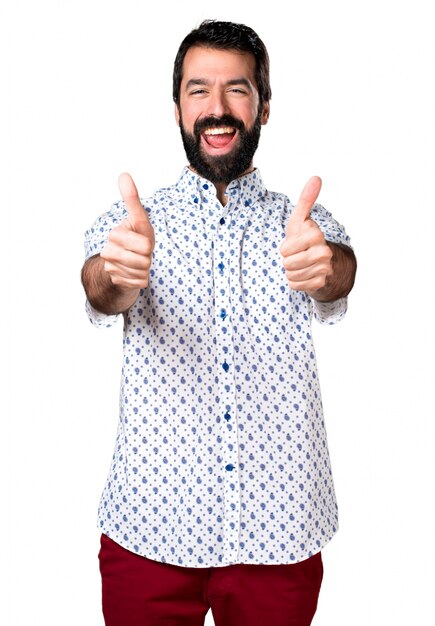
[[222, 130]]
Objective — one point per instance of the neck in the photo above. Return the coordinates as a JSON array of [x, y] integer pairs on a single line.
[[221, 187], [220, 193]]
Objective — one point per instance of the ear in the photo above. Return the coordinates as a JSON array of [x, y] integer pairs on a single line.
[[177, 114], [265, 113]]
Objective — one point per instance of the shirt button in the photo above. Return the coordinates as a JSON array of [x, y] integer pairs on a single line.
[[223, 314], [221, 267], [222, 221], [229, 467], [227, 416], [225, 366]]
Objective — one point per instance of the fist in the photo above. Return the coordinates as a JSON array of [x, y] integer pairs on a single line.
[[128, 252], [307, 258]]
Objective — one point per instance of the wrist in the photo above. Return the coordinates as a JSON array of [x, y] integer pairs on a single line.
[[102, 293], [341, 279]]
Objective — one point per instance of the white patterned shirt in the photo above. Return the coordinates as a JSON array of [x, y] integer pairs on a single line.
[[221, 454]]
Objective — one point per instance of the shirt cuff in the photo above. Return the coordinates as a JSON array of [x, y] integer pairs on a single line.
[[330, 312], [102, 320]]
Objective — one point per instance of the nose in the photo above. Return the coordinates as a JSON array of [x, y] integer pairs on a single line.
[[217, 104]]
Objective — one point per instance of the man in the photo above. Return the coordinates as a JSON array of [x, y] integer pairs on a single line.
[[220, 492]]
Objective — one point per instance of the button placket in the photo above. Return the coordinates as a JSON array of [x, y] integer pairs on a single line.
[[227, 391]]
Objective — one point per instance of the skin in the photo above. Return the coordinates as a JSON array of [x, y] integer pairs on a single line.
[[216, 82], [113, 279], [323, 270]]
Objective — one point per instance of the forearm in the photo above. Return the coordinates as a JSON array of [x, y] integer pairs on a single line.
[[102, 294], [340, 282]]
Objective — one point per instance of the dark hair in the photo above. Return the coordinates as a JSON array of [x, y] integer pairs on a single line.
[[226, 36]]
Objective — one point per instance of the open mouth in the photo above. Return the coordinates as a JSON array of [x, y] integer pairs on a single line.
[[219, 136]]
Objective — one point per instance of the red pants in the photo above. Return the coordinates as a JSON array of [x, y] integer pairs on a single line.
[[141, 592]]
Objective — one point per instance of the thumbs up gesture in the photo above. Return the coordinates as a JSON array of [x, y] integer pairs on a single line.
[[127, 254], [307, 257]]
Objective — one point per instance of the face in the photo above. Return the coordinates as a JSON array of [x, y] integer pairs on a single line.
[[219, 114]]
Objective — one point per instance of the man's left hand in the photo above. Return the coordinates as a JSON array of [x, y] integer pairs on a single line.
[[307, 257]]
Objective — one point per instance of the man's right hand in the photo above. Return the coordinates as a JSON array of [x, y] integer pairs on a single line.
[[128, 252]]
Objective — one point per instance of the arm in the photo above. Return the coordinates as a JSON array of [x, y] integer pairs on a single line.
[[340, 280], [112, 279], [101, 292]]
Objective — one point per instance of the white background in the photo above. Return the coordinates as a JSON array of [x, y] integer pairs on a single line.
[[88, 95]]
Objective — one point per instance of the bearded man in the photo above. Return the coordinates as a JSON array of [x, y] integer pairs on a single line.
[[220, 492]]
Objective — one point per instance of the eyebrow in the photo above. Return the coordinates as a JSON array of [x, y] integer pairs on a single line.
[[234, 81]]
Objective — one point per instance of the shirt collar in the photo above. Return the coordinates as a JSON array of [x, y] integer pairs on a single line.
[[243, 190]]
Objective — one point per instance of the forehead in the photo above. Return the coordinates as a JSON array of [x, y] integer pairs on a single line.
[[212, 63]]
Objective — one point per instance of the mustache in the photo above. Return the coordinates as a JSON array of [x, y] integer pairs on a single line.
[[216, 122]]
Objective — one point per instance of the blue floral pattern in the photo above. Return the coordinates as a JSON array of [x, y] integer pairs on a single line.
[[221, 454]]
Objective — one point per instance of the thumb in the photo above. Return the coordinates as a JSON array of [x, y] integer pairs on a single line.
[[137, 216], [308, 197]]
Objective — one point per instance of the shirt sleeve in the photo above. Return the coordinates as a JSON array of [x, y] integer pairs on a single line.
[[101, 320], [330, 312], [333, 231], [95, 240], [96, 236]]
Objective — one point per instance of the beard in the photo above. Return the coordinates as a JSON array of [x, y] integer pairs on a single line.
[[226, 167]]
